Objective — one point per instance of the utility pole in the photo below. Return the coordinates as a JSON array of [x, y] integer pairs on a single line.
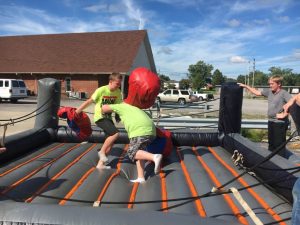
[[248, 83], [253, 72]]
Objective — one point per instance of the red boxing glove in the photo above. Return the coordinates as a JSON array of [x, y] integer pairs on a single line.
[[80, 123], [143, 88]]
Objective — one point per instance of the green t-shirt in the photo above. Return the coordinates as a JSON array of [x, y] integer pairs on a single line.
[[103, 96], [137, 123]]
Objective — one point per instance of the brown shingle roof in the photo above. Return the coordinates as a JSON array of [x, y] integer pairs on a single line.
[[69, 53]]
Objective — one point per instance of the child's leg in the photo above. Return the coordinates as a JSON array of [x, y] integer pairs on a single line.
[[107, 145], [156, 158], [109, 129], [140, 171]]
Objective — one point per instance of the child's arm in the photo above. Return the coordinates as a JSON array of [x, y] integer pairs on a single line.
[[84, 105], [106, 109]]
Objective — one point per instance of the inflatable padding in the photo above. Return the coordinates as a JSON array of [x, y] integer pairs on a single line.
[[253, 154], [69, 215], [24, 142]]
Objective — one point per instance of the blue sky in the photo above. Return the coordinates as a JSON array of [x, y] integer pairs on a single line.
[[227, 34]]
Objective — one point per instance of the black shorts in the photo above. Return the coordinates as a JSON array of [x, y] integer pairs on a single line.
[[107, 126]]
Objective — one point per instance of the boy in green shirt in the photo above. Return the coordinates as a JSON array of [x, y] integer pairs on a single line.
[[141, 132], [108, 94]]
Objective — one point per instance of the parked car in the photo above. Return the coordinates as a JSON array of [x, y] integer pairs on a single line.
[[176, 95], [202, 96], [12, 89]]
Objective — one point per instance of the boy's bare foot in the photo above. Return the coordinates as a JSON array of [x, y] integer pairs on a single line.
[[139, 180], [157, 161]]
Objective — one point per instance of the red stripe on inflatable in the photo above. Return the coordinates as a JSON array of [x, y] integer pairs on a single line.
[[198, 203], [250, 190], [217, 183], [36, 171], [117, 172], [30, 160], [76, 186], [52, 179]]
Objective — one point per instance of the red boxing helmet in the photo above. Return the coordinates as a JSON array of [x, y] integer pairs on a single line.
[[143, 88]]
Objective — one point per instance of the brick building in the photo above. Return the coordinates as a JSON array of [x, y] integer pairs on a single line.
[[81, 61]]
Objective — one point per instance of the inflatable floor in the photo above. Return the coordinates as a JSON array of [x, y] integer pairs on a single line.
[[48, 177]]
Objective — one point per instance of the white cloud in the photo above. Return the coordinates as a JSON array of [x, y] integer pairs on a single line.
[[233, 23], [96, 8], [133, 12], [277, 6], [284, 19], [165, 50], [295, 56], [288, 39], [238, 59]]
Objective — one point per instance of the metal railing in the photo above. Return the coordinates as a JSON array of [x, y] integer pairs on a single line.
[[176, 122]]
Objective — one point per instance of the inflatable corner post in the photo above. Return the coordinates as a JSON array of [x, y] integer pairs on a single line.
[[48, 103], [230, 114], [79, 123], [143, 89]]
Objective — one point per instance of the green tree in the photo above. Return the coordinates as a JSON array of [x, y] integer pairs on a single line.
[[198, 73], [278, 71], [184, 84], [217, 78], [260, 78], [241, 79], [163, 78], [297, 79]]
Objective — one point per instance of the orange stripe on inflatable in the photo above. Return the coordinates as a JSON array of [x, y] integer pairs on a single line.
[[227, 198], [30, 160], [164, 195], [193, 190], [52, 179], [76, 186], [133, 194], [36, 171], [250, 190], [113, 175]]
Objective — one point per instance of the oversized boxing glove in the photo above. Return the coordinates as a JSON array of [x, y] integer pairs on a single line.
[[143, 88]]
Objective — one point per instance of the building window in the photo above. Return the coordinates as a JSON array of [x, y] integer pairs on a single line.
[[68, 84]]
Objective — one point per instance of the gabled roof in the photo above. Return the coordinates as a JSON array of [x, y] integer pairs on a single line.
[[96, 52]]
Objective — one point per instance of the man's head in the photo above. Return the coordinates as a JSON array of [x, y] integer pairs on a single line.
[[275, 83], [115, 80]]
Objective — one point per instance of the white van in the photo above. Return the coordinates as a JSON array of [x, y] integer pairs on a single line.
[[12, 89]]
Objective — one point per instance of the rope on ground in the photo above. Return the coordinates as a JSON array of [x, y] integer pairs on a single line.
[[241, 201]]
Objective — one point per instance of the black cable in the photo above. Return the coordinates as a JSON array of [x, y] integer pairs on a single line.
[[28, 113], [278, 149]]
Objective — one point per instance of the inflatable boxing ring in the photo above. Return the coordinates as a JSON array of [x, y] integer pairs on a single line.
[[211, 177]]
